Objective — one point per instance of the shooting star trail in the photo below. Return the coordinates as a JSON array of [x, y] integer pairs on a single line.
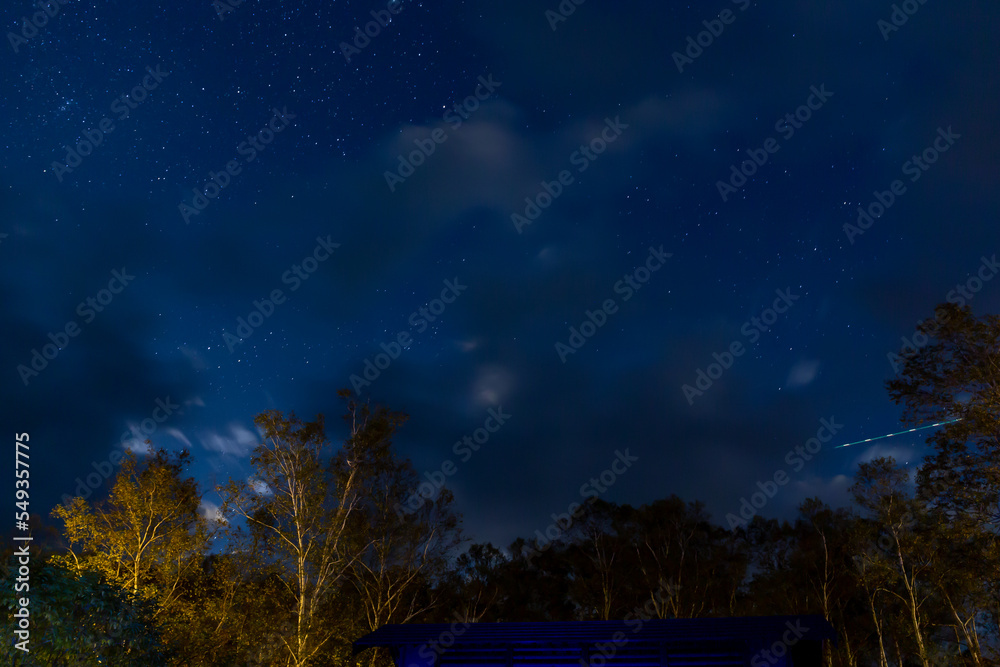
[[881, 437]]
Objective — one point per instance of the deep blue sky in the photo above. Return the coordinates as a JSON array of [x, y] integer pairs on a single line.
[[323, 176]]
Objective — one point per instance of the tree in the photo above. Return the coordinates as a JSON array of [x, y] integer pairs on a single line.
[[770, 547], [229, 612], [823, 562], [147, 535], [881, 490], [81, 619], [298, 507], [402, 550], [955, 375], [873, 574], [327, 521], [599, 550], [680, 551], [474, 587], [537, 583]]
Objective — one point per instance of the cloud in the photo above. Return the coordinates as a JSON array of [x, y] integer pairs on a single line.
[[833, 490], [259, 487], [238, 441], [176, 433], [211, 511], [138, 445], [802, 374], [195, 359], [492, 385], [900, 453]]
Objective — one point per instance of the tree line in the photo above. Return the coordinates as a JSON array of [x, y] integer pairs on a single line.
[[310, 553]]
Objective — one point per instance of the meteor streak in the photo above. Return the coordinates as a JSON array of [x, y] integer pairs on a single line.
[[919, 428]]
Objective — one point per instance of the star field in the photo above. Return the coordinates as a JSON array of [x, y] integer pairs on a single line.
[[352, 122]]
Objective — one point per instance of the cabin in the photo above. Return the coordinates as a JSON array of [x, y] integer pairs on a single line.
[[749, 641]]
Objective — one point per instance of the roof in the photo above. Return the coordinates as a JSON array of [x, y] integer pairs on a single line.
[[743, 630]]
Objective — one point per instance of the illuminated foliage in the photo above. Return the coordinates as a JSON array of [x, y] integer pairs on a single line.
[[147, 535], [81, 620]]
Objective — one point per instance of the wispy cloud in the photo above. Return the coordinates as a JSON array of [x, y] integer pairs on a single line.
[[802, 374], [236, 441]]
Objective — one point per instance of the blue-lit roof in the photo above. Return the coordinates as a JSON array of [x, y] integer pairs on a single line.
[[654, 630], [700, 641]]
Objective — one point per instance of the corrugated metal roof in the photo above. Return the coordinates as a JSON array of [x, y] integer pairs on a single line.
[[753, 629]]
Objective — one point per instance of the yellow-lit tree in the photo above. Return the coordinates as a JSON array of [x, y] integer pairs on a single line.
[[147, 536], [298, 505]]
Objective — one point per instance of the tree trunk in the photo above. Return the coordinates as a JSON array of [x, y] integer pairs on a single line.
[[973, 645], [911, 584], [883, 661]]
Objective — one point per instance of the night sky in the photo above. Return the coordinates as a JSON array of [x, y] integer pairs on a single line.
[[507, 167]]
